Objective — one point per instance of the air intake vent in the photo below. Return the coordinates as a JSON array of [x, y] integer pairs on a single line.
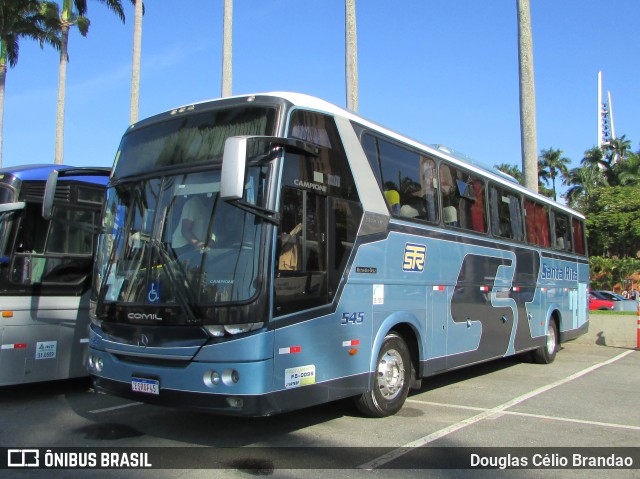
[[35, 192]]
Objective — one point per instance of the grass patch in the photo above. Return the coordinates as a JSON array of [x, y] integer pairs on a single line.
[[612, 313]]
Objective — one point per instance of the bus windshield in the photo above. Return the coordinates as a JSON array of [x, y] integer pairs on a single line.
[[172, 239], [187, 140]]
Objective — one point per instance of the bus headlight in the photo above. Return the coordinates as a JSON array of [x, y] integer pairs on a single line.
[[211, 378], [242, 328], [218, 331], [96, 363], [215, 331]]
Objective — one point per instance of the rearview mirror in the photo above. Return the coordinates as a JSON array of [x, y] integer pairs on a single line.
[[234, 159]]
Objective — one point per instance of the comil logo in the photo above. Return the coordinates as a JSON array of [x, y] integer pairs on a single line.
[[23, 458]]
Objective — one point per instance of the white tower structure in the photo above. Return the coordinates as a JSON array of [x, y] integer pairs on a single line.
[[606, 130]]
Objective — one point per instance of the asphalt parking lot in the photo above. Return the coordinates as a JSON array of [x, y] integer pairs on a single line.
[[497, 414]]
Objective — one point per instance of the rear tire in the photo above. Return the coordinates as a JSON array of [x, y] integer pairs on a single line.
[[391, 379], [547, 353]]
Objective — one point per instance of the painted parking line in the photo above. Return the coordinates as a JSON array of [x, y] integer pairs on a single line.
[[501, 409], [115, 408], [524, 414]]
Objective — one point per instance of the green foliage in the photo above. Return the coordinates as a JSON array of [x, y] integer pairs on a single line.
[[552, 165], [613, 221], [32, 19], [606, 188], [511, 170], [614, 273]]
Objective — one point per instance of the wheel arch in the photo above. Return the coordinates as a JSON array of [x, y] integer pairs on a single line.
[[407, 326]]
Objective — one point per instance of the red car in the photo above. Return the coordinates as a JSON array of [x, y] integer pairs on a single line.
[[597, 303]]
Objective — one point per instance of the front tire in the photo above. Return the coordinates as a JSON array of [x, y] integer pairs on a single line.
[[391, 379], [547, 353]]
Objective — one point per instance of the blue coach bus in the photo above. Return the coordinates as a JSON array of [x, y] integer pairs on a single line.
[[45, 272], [268, 252]]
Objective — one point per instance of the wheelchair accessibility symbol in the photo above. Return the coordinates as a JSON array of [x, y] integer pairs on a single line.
[[153, 292]]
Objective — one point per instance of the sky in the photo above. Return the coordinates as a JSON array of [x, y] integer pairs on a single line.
[[439, 71]]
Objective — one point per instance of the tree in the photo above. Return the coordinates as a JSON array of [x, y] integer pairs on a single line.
[[582, 182], [73, 14], [135, 68], [510, 170], [31, 19], [552, 164], [601, 272], [227, 58], [527, 97], [613, 221], [627, 170], [351, 55], [617, 148]]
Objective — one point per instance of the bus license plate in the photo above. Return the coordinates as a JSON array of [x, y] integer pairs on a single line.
[[147, 386]]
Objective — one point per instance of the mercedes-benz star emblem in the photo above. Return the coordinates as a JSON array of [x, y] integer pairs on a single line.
[[143, 341]]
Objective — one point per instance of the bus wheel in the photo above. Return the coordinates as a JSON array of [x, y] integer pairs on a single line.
[[391, 381], [547, 353]]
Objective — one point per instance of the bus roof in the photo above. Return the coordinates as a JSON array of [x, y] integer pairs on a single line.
[[313, 103], [40, 172]]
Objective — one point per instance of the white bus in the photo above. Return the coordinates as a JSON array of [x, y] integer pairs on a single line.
[[45, 272]]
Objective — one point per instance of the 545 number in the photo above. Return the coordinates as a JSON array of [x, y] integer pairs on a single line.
[[352, 318]]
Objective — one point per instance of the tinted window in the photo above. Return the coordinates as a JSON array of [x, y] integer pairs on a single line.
[[506, 214], [189, 139], [462, 199], [578, 236], [408, 179], [562, 232], [328, 173], [301, 269], [537, 223]]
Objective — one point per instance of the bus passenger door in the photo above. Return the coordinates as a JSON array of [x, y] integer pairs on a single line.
[[314, 241]]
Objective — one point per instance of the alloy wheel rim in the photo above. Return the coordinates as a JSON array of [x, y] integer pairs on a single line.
[[390, 374]]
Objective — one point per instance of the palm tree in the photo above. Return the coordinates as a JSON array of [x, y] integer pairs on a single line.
[[628, 170], [510, 170], [135, 68], [32, 19], [527, 96], [618, 148], [595, 157], [73, 14], [227, 38], [582, 182], [552, 164], [351, 54]]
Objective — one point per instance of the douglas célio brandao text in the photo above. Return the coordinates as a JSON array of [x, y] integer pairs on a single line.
[[551, 461]]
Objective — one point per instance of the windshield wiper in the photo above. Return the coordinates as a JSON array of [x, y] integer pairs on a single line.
[[184, 296], [265, 213]]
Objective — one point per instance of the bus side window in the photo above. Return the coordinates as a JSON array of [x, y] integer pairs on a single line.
[[464, 193], [537, 224], [562, 235], [403, 181], [449, 199], [506, 213], [578, 236]]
